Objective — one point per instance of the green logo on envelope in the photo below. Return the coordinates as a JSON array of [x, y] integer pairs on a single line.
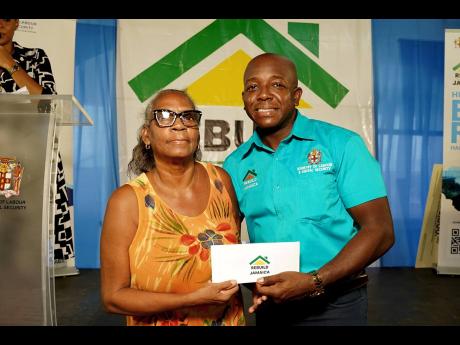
[[260, 265], [260, 260]]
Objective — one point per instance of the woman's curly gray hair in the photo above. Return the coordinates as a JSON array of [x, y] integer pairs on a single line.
[[142, 159]]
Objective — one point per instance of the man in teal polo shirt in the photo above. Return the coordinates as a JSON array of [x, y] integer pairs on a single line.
[[299, 179]]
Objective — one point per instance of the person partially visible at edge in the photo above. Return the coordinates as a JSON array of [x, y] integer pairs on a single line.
[[23, 67], [30, 67], [159, 227], [314, 183]]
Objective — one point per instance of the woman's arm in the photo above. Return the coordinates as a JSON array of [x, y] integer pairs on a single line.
[[20, 76], [120, 226]]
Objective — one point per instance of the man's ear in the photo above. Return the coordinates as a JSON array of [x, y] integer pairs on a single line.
[[297, 94]]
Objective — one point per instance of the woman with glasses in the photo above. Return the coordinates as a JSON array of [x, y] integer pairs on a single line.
[[158, 228]]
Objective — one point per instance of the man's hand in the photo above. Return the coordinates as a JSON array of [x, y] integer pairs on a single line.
[[257, 299], [284, 286]]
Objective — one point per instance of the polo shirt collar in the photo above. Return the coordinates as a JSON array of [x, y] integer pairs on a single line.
[[302, 129]]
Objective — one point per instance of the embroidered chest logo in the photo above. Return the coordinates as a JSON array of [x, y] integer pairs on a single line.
[[260, 265], [314, 157], [250, 175], [250, 179], [315, 165]]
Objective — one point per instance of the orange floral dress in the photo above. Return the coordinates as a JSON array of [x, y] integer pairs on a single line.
[[170, 253]]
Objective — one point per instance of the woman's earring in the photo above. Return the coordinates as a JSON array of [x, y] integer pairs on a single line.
[[147, 146]]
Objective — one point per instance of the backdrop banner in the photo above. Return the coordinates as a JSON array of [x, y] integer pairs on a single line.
[[57, 38], [207, 58], [449, 232], [427, 253]]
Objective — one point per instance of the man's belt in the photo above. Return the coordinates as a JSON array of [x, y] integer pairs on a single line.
[[345, 285]]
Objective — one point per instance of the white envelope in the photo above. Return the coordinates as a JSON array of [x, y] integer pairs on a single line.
[[246, 263]]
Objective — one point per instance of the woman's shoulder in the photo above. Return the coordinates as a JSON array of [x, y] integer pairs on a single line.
[[213, 167], [215, 171], [222, 172], [122, 198], [140, 181], [19, 49], [25, 51], [218, 173], [123, 192]]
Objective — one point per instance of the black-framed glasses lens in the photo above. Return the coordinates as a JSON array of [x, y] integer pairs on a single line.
[[167, 118]]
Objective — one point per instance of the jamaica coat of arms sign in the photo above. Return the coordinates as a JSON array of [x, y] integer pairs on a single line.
[[11, 172]]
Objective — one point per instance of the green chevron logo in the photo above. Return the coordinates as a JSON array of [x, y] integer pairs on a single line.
[[260, 260], [221, 31], [259, 266]]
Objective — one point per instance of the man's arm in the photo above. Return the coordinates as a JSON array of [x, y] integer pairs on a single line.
[[374, 238]]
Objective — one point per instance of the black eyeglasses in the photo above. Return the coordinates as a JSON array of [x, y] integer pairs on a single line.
[[167, 118]]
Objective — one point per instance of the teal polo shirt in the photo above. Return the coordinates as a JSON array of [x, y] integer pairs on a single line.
[[301, 191]]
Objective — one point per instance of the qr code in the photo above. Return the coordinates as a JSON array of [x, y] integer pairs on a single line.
[[455, 242]]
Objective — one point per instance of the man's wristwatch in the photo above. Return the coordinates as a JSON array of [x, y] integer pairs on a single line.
[[319, 288], [15, 68]]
